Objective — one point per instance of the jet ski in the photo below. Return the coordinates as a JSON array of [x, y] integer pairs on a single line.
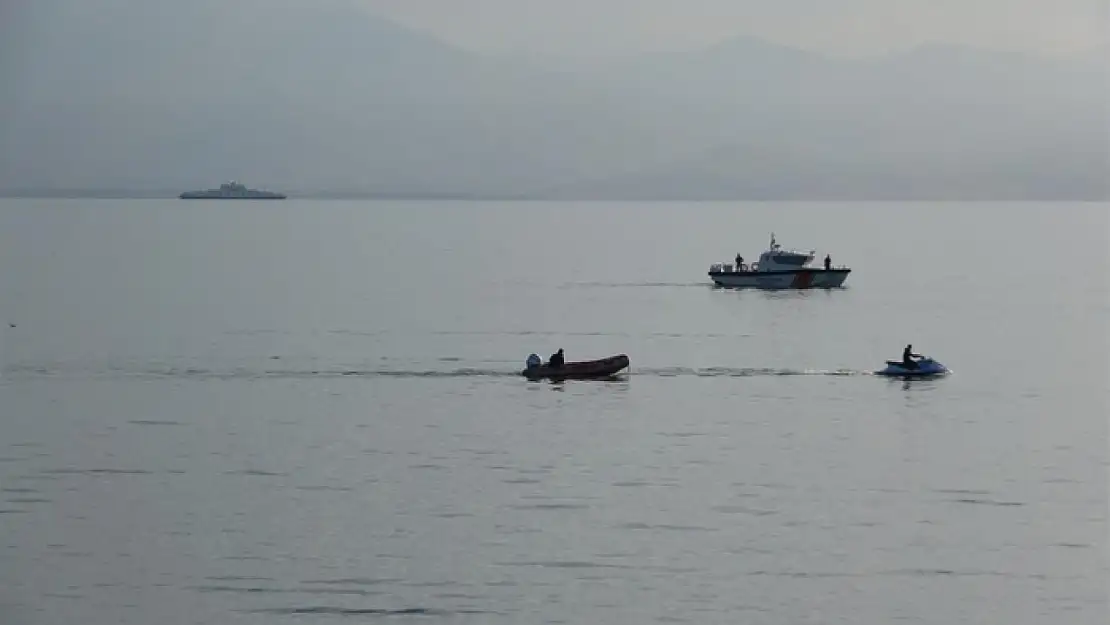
[[926, 367]]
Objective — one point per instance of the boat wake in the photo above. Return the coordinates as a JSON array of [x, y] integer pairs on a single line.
[[743, 372], [612, 285], [16, 371]]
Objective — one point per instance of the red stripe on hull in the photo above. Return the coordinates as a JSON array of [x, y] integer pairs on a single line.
[[803, 280]]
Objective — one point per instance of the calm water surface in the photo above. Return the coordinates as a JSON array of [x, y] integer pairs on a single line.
[[300, 412]]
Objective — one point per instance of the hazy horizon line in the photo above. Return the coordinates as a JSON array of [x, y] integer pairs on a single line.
[[522, 55], [134, 194]]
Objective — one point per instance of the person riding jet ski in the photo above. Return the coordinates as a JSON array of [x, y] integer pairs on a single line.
[[908, 357]]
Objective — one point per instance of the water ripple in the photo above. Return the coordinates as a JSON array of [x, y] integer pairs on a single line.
[[988, 502], [666, 527], [73, 471], [550, 506], [264, 590], [340, 489], [153, 422], [354, 581], [727, 509], [335, 611], [566, 564], [256, 473]]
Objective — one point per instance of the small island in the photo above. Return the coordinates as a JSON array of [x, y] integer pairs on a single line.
[[231, 191]]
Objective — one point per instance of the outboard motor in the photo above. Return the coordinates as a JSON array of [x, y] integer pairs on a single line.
[[533, 361]]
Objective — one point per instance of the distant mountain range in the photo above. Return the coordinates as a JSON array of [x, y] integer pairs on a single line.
[[324, 98]]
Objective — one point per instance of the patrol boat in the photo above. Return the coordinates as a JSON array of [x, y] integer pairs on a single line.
[[779, 268]]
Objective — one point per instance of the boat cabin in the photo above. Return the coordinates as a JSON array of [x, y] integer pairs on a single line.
[[778, 259], [773, 259]]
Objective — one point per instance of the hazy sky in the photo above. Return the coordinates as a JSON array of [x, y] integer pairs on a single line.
[[589, 27]]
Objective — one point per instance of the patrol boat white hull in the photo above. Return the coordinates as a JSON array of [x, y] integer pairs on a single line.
[[797, 279]]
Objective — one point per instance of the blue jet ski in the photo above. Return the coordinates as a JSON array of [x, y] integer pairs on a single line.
[[926, 367]]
